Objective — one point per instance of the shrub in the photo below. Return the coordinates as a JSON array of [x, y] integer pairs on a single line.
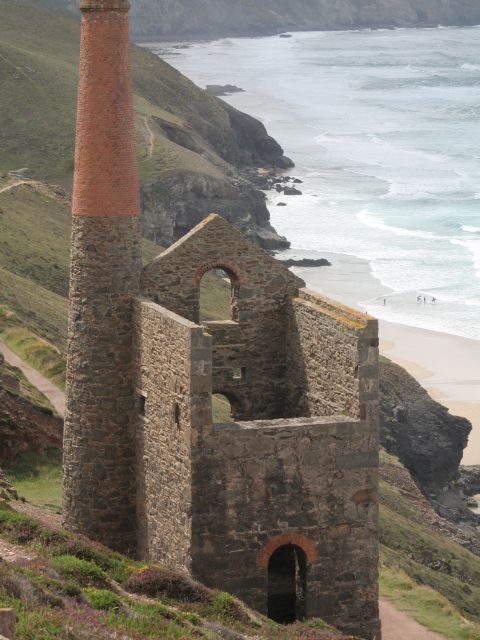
[[18, 527], [156, 581], [118, 567], [102, 599], [82, 570], [224, 605]]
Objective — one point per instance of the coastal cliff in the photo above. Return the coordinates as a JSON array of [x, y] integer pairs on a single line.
[[186, 138], [429, 442], [216, 18]]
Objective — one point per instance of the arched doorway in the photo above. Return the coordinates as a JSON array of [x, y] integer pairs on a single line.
[[221, 408], [218, 286], [287, 584]]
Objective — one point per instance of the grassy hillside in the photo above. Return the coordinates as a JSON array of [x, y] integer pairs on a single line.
[[69, 588], [424, 569], [34, 269], [188, 143], [192, 132]]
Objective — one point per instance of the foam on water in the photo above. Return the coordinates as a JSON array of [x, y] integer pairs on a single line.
[[383, 129], [365, 217]]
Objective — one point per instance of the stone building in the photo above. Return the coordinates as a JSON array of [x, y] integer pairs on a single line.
[[278, 505]]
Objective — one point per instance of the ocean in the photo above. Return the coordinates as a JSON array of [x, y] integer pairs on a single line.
[[384, 130]]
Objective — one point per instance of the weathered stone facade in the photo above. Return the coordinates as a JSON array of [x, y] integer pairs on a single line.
[[173, 380], [310, 482], [99, 490], [299, 468], [278, 507]]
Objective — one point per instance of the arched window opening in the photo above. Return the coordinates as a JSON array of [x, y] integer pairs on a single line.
[[287, 584], [218, 296], [221, 409]]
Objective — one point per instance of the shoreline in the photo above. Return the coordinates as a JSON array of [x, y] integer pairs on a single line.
[[145, 41], [447, 366]]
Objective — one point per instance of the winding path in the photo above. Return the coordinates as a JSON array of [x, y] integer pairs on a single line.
[[14, 184], [151, 137], [397, 625], [49, 390]]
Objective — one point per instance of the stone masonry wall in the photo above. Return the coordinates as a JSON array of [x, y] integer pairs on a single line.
[[99, 486], [255, 339], [174, 380], [332, 359], [312, 482]]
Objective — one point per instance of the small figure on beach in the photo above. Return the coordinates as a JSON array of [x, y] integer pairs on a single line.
[[384, 301], [424, 300], [434, 299], [419, 299]]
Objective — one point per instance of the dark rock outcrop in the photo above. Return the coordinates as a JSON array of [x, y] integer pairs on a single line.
[[171, 207], [307, 262], [470, 480], [421, 432], [222, 89], [429, 442]]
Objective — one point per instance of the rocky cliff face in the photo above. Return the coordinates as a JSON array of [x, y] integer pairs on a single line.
[[226, 17], [429, 442], [210, 18], [421, 432], [192, 197]]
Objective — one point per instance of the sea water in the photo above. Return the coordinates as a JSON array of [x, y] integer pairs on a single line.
[[384, 129]]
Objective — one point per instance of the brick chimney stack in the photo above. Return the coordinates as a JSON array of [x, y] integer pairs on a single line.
[[99, 490]]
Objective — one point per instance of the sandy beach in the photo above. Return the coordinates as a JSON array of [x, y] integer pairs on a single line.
[[447, 366]]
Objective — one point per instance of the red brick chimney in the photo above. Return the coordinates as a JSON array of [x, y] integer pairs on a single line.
[[106, 181], [99, 486]]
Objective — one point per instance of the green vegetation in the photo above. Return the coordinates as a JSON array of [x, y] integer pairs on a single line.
[[82, 570], [14, 383], [72, 592], [37, 476], [221, 409], [102, 599], [215, 298], [424, 572], [180, 128], [36, 352]]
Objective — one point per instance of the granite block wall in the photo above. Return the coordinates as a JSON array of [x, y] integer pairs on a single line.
[[311, 482], [173, 368], [332, 355], [99, 486], [254, 340]]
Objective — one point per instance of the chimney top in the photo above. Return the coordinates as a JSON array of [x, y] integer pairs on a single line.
[[104, 5]]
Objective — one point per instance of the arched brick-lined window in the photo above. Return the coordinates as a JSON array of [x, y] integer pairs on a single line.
[[218, 284]]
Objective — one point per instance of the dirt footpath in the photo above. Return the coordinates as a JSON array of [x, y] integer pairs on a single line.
[[49, 390], [397, 625]]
